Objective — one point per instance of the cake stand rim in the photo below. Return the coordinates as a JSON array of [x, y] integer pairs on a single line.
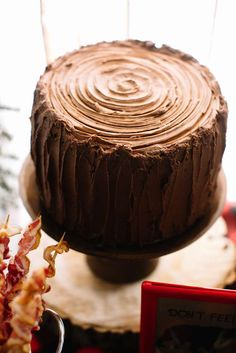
[[148, 251]]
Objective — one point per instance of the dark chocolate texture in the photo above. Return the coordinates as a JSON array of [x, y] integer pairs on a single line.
[[127, 141]]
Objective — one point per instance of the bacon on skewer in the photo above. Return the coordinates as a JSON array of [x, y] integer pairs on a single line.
[[27, 309], [50, 254], [5, 233], [18, 266], [28, 306]]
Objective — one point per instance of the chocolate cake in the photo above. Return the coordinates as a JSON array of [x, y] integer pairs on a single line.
[[127, 142]]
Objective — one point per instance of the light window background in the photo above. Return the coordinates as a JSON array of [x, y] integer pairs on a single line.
[[188, 25]]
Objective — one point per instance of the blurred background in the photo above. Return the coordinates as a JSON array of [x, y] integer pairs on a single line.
[[202, 28]]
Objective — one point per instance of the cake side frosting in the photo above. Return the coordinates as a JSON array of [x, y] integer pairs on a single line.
[[127, 140]]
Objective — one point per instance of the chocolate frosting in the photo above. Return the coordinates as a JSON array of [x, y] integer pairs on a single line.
[[127, 141]]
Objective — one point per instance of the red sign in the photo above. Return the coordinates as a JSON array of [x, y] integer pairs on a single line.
[[182, 318]]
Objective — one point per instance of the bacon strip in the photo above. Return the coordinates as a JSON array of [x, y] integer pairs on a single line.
[[27, 309], [28, 306], [50, 254], [4, 250], [18, 266], [5, 233]]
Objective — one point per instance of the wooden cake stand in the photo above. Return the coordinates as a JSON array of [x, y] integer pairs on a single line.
[[80, 293]]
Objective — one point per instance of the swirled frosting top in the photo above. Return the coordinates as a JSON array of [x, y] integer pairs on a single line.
[[131, 93]]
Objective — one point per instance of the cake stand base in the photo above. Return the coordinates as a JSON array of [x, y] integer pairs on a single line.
[[87, 301], [121, 271]]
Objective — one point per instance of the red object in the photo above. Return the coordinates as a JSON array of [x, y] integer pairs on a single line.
[[229, 215], [35, 345], [154, 292]]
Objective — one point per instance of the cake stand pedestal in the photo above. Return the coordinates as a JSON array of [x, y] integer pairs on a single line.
[[80, 293]]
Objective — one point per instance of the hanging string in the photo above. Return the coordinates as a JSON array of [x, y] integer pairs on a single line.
[[213, 30]]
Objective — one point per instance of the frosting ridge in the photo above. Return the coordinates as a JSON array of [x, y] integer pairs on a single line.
[[128, 95]]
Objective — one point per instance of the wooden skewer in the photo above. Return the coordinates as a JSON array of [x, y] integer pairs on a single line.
[[213, 29], [45, 34], [127, 19]]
